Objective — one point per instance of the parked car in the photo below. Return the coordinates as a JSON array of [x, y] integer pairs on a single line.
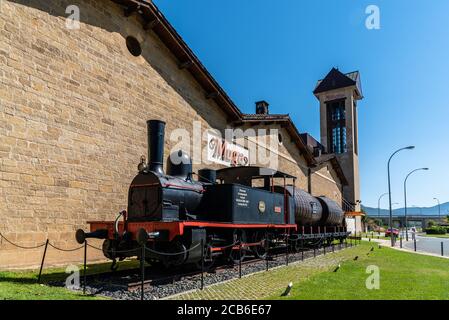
[[395, 232]]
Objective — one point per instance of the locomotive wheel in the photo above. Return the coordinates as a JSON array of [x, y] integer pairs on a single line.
[[235, 256], [208, 261], [260, 250], [169, 261]]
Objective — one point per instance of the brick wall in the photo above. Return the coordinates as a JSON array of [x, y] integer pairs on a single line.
[[325, 182], [72, 119]]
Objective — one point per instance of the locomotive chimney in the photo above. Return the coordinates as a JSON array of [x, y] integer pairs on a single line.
[[156, 131]]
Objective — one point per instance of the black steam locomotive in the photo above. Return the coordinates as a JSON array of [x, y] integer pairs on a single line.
[[181, 219]]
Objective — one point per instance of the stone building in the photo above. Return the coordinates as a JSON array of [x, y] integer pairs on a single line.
[[73, 107]]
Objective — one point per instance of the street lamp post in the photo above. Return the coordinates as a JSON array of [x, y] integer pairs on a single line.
[[378, 203], [389, 188], [439, 208], [405, 199]]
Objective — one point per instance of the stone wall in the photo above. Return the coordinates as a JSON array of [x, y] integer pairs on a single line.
[[72, 119]]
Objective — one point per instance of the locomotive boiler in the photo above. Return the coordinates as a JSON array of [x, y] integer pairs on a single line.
[[181, 216]]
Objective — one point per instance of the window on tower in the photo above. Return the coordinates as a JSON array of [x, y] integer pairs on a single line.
[[337, 126]]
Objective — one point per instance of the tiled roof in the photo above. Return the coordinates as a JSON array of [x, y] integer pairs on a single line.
[[266, 117]]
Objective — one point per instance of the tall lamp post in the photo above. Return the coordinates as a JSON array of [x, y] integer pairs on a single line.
[[405, 199], [439, 207], [378, 203], [389, 188]]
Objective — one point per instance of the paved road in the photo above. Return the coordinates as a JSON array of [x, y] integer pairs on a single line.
[[430, 245]]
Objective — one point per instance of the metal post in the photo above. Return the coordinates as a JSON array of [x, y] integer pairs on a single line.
[[202, 263], [85, 267], [405, 199], [314, 252], [240, 260], [42, 263], [400, 241], [442, 248], [266, 252], [142, 272], [324, 247], [389, 190], [286, 255], [302, 249], [414, 243], [333, 248]]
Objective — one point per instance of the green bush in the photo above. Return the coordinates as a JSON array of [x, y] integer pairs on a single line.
[[436, 230]]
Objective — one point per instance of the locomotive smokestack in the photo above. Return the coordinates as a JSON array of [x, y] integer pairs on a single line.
[[156, 132]]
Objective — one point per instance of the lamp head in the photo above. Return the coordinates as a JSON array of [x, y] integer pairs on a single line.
[[410, 147]]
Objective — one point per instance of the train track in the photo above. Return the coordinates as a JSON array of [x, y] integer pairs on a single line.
[[136, 286], [160, 283], [195, 275]]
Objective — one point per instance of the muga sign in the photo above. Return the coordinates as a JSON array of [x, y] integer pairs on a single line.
[[229, 154]]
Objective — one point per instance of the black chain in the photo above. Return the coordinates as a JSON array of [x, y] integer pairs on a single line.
[[66, 250], [21, 247]]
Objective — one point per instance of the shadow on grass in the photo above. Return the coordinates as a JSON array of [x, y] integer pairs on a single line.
[[59, 274]]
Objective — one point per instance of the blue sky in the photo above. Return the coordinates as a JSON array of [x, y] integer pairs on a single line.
[[260, 49]]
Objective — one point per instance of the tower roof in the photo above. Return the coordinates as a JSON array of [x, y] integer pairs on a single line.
[[336, 80]]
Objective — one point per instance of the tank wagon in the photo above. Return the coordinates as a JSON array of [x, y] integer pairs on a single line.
[[182, 216]]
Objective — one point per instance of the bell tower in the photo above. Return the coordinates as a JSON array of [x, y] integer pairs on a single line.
[[338, 94]]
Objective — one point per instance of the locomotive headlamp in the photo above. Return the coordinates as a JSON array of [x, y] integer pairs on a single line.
[[142, 165]]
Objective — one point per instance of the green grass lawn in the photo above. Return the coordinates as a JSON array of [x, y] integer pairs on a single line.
[[24, 286], [402, 276]]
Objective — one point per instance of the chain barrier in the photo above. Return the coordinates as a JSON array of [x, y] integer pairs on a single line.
[[38, 246], [115, 251], [21, 247], [170, 253], [65, 250]]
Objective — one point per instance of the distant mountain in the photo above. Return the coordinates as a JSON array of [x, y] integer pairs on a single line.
[[425, 211]]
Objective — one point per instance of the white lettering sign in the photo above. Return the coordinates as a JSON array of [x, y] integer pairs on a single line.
[[225, 153]]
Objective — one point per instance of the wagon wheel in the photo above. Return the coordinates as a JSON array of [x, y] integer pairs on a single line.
[[236, 256], [260, 250]]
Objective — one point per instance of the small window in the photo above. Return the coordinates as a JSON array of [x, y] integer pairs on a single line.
[[133, 46]]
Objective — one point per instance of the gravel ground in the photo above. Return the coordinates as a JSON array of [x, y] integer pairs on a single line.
[[115, 285]]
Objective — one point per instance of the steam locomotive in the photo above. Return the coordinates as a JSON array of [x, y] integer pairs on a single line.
[[228, 213]]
